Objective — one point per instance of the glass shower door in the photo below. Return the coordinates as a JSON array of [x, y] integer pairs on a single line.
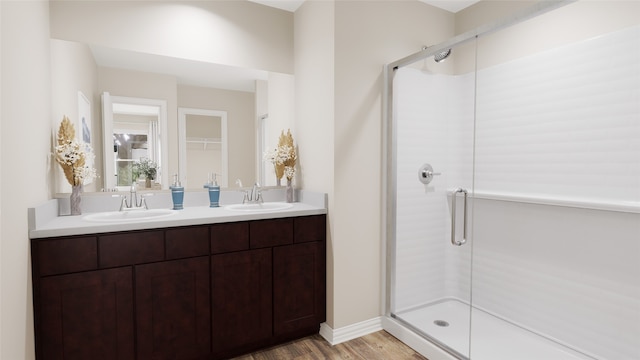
[[434, 118], [557, 175]]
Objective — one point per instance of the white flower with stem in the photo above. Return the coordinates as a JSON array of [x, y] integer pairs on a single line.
[[73, 155], [289, 172], [283, 156]]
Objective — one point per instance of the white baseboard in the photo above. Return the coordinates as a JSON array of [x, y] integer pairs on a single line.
[[340, 335]]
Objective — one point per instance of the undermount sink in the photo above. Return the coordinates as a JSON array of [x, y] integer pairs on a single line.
[[268, 206], [123, 216]]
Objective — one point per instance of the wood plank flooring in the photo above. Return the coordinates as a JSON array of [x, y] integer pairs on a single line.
[[377, 346]]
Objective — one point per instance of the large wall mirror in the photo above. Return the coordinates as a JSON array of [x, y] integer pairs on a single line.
[[141, 117], [230, 56]]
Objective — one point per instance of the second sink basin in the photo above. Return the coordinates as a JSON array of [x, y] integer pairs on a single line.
[[268, 206], [123, 216]]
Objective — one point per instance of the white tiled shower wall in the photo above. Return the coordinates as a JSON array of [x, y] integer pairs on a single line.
[[561, 124]]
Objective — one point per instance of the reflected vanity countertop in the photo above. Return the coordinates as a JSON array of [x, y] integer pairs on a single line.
[[42, 225]]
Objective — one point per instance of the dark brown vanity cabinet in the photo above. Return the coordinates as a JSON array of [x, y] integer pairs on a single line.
[[81, 311], [272, 289], [298, 288], [241, 301], [87, 315], [172, 309], [197, 292]]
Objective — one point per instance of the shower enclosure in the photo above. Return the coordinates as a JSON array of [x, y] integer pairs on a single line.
[[513, 189]]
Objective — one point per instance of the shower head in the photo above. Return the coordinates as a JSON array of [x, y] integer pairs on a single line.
[[439, 56], [442, 55]]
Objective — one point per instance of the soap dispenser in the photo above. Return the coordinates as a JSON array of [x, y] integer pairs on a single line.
[[177, 193], [214, 190]]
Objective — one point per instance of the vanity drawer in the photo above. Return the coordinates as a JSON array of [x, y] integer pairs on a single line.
[[273, 232], [187, 242], [131, 248], [309, 228], [229, 237], [65, 255]]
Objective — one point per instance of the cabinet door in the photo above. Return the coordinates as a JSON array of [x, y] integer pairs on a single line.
[[241, 299], [172, 309], [87, 316], [298, 288]]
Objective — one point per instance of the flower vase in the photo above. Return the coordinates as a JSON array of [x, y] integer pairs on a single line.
[[147, 183], [278, 182], [75, 200], [289, 192]]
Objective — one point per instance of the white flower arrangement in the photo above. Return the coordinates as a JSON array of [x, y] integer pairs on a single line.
[[73, 155], [283, 157]]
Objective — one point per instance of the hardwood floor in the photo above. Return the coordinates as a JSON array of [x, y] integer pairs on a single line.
[[377, 346]]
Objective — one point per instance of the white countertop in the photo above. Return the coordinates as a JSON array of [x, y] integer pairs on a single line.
[[43, 225]]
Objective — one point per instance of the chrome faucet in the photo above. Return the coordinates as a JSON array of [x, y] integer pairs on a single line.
[[253, 197], [133, 203]]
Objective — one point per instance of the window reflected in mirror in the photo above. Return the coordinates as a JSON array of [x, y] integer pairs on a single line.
[[134, 127], [128, 148]]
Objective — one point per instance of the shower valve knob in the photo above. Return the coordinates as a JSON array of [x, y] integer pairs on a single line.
[[426, 174]]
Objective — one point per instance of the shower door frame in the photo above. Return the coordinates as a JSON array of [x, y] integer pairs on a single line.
[[389, 145]]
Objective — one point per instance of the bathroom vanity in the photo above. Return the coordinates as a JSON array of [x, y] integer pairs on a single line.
[[213, 289]]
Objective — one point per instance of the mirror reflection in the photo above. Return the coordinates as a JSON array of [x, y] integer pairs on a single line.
[[203, 146], [134, 152], [244, 95]]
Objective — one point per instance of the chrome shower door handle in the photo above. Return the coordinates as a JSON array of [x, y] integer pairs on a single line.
[[454, 197]]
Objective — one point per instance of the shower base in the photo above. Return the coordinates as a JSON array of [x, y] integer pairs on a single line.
[[447, 322]]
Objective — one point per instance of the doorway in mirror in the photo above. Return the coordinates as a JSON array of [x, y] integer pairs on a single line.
[[202, 146]]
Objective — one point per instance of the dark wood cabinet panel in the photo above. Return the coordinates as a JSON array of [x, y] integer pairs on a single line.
[[229, 237], [241, 299], [131, 248], [86, 316], [172, 310], [187, 242], [273, 232], [66, 255], [309, 228], [298, 287]]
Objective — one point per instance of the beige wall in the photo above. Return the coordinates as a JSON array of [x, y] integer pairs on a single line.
[[236, 33], [314, 113], [338, 121], [25, 147], [571, 23], [240, 108], [385, 31], [1, 172]]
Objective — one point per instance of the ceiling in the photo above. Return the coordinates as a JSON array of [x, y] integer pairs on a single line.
[[449, 5], [188, 72]]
